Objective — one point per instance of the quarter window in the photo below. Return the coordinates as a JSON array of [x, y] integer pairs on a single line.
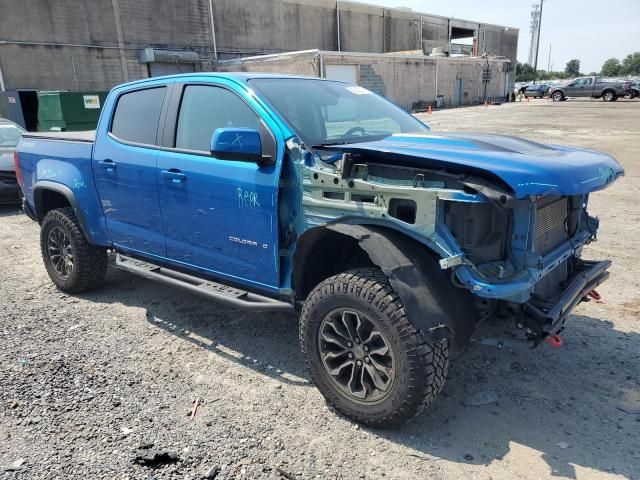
[[205, 109], [137, 115]]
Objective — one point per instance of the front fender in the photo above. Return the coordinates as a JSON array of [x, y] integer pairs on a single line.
[[433, 304]]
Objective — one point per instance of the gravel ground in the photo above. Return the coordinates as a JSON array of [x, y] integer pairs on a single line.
[[103, 385]]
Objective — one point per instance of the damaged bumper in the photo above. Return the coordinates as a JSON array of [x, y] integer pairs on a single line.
[[549, 321], [520, 289]]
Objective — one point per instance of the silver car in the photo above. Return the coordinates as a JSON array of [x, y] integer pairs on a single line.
[[10, 133]]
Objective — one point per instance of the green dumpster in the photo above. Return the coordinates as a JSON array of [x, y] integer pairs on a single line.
[[69, 111]]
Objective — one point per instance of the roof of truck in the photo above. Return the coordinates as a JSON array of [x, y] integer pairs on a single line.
[[237, 76]]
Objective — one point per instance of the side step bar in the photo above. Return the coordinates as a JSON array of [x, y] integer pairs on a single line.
[[216, 291]]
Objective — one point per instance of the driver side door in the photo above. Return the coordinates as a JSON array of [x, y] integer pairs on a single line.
[[219, 216], [573, 89]]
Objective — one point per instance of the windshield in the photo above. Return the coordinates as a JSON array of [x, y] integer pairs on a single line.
[[9, 135], [326, 113]]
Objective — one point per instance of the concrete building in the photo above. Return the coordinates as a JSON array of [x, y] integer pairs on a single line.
[[93, 45], [411, 80]]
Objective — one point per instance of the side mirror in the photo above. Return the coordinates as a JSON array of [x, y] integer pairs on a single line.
[[236, 143]]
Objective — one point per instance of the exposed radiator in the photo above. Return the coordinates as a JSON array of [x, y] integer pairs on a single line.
[[550, 225]]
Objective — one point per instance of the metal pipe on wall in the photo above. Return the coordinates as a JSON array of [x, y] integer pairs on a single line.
[[120, 35], [2, 89], [338, 23], [213, 30], [436, 95]]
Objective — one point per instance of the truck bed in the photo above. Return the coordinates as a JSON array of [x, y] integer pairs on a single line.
[[61, 162], [85, 136]]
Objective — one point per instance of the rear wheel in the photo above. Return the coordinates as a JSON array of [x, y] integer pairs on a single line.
[[609, 96], [557, 96], [71, 261], [364, 355]]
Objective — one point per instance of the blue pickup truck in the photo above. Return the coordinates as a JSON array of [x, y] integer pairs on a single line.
[[280, 193]]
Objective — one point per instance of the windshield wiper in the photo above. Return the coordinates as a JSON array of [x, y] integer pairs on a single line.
[[348, 141], [328, 144]]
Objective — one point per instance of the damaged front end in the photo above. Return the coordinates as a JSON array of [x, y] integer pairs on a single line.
[[516, 249]]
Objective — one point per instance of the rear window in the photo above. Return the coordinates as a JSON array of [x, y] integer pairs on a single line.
[[137, 115]]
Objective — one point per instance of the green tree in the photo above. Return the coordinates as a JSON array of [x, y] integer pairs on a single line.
[[573, 68], [524, 72], [631, 64], [611, 68]]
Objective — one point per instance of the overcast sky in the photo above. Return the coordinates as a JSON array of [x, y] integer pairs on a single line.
[[590, 30]]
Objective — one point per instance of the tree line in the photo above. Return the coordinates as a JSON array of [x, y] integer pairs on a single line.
[[629, 66]]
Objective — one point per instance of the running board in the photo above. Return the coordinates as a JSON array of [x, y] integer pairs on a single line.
[[216, 291]]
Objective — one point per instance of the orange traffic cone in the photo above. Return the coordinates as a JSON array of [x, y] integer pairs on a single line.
[[429, 111]]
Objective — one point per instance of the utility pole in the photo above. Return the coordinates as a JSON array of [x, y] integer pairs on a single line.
[[533, 30], [549, 60], [535, 64]]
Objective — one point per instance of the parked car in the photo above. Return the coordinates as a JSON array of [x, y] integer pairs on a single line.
[[275, 193], [634, 89], [537, 90], [9, 135], [593, 87]]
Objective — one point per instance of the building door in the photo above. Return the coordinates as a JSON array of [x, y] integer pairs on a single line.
[[343, 73], [458, 93]]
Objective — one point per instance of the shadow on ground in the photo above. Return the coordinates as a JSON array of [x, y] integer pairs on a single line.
[[554, 401], [11, 210]]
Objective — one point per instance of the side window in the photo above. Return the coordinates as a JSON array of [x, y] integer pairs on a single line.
[[205, 109], [137, 115]]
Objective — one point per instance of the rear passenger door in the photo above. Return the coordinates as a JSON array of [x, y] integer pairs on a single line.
[[124, 166], [218, 215]]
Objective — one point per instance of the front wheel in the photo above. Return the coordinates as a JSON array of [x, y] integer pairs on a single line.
[[364, 355], [557, 96], [71, 261]]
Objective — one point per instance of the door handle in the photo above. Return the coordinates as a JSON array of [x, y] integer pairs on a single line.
[[173, 174], [108, 164]]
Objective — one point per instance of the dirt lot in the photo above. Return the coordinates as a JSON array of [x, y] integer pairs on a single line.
[[86, 380]]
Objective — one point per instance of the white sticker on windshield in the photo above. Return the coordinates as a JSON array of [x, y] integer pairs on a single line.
[[358, 90]]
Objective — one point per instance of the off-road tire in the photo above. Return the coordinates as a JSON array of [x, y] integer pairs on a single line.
[[421, 367], [89, 261], [557, 96]]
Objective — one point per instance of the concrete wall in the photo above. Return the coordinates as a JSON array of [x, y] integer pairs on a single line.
[[94, 44], [407, 80], [255, 28]]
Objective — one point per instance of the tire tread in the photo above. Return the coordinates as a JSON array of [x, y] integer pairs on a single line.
[[89, 261], [429, 362]]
